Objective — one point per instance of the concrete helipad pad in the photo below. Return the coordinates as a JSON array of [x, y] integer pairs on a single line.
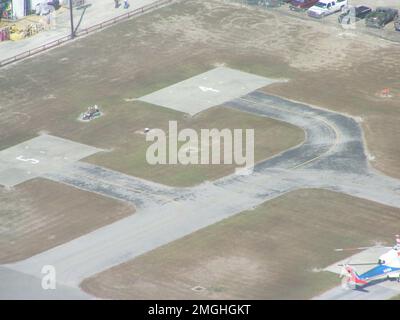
[[206, 90], [370, 255], [38, 156]]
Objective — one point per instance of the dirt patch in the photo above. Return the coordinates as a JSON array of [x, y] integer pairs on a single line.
[[276, 251], [40, 214]]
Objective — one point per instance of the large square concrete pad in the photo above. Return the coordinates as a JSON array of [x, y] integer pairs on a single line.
[[206, 90], [39, 156]]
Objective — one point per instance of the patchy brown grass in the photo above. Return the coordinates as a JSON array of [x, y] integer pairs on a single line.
[[142, 55], [40, 214], [273, 252]]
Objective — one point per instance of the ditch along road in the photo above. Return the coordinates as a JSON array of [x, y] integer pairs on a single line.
[[332, 157]]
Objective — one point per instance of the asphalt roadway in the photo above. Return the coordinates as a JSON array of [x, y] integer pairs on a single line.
[[332, 157]]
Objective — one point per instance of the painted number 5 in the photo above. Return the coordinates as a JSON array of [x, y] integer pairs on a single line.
[[33, 161]]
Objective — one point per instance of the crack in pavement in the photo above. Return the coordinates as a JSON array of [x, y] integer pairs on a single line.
[[331, 157]]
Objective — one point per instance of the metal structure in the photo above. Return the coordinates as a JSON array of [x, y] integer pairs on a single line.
[[71, 16], [83, 32], [91, 113]]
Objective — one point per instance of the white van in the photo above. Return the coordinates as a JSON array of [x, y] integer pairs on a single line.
[[326, 7]]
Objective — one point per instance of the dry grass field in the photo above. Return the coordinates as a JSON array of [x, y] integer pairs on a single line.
[[338, 71], [40, 214], [276, 251], [271, 137]]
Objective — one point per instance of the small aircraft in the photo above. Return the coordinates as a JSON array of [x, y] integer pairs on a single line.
[[388, 266]]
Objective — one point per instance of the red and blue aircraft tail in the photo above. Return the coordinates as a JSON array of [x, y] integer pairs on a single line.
[[354, 277]]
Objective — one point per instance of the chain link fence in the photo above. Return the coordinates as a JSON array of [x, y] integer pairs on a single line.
[[261, 3]]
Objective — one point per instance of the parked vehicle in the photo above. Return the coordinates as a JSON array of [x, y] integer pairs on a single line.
[[397, 23], [43, 9], [274, 3], [253, 2], [380, 17], [301, 5], [324, 8], [55, 4], [354, 14]]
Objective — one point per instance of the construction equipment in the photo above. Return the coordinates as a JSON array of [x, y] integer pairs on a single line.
[[91, 113], [25, 28]]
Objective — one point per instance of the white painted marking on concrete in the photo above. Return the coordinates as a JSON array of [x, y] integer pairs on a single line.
[[207, 89], [33, 161]]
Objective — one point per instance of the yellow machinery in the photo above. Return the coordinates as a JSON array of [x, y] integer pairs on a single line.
[[26, 27]]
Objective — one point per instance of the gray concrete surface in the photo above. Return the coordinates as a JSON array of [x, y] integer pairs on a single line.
[[206, 90], [112, 184], [38, 156], [17, 285], [332, 157], [378, 290], [369, 255]]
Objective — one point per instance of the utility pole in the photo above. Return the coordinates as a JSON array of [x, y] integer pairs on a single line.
[[71, 14]]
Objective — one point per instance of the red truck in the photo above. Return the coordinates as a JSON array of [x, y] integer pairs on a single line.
[[301, 5]]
